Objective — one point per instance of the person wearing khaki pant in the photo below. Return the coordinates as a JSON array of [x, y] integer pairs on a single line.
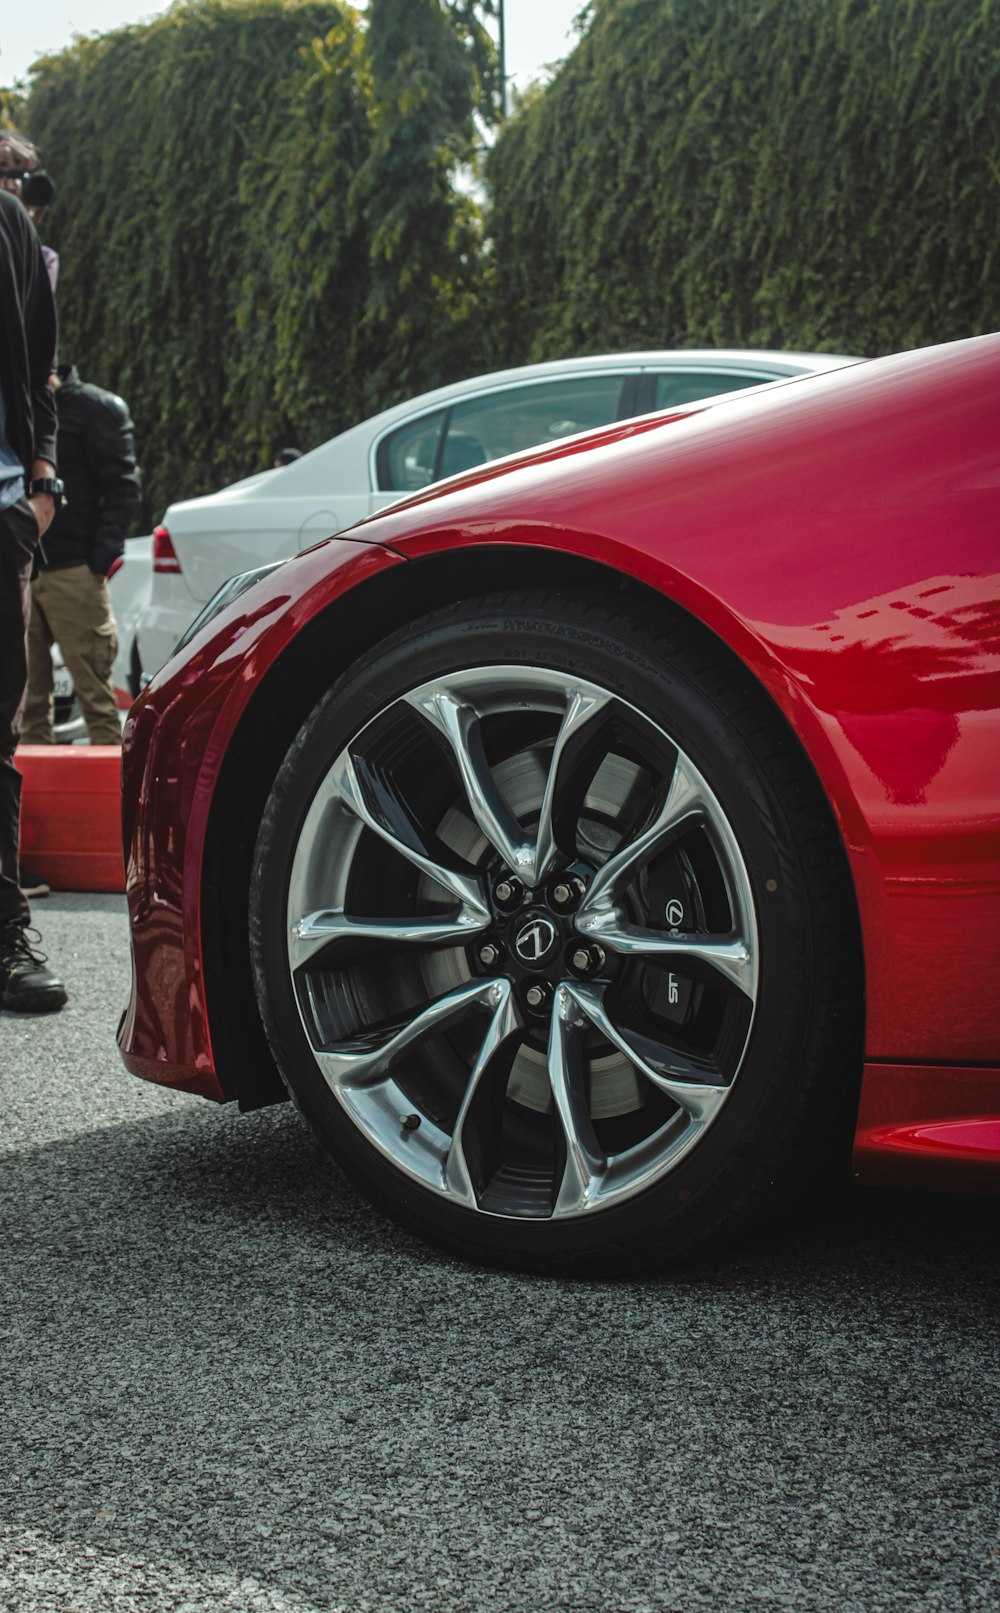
[[71, 607], [69, 595]]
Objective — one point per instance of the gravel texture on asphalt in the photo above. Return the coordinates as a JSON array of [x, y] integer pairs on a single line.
[[228, 1384]]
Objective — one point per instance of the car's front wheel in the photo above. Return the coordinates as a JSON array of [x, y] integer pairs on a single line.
[[553, 937]]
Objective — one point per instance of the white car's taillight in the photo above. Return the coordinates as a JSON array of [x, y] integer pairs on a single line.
[[164, 554]]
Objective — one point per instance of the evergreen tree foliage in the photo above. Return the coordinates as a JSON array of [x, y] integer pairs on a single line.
[[13, 108], [259, 244], [819, 174], [165, 141], [433, 69], [298, 364]]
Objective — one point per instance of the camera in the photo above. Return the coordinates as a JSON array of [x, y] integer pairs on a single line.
[[37, 190]]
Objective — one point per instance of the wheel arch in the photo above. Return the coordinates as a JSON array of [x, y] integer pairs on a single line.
[[320, 652]]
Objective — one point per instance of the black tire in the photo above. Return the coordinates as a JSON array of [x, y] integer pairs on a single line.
[[690, 1079]]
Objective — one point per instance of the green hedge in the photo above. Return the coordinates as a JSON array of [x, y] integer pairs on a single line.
[[262, 240], [819, 174], [221, 218]]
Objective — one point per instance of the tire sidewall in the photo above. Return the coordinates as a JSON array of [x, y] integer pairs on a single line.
[[668, 677]]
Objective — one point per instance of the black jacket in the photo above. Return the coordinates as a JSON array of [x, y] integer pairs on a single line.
[[97, 464], [27, 337]]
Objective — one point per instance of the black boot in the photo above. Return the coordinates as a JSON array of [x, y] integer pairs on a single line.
[[26, 986]]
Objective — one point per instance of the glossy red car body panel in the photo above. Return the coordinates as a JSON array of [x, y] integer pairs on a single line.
[[921, 1125], [842, 535], [173, 744]]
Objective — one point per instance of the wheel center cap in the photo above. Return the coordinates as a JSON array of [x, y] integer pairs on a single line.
[[536, 939]]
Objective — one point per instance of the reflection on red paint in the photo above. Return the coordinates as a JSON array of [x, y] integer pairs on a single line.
[[929, 1126], [904, 674]]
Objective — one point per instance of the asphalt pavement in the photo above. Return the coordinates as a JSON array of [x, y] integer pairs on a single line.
[[226, 1383]]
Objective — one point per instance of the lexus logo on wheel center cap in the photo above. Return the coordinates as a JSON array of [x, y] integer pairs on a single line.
[[535, 939]]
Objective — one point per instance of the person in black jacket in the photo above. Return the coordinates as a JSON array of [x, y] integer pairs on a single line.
[[69, 596], [29, 489]]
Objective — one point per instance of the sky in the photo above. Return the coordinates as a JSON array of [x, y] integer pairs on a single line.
[[539, 32]]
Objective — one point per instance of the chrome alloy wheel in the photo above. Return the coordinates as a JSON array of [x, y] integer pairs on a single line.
[[522, 942]]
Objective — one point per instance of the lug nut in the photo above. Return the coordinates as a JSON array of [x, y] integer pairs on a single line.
[[488, 955], [569, 891], [588, 960], [508, 892], [538, 994]]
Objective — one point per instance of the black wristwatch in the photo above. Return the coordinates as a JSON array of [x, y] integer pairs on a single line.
[[48, 484]]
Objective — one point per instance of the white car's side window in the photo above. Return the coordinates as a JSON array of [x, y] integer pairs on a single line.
[[521, 417], [407, 458], [482, 428], [676, 387]]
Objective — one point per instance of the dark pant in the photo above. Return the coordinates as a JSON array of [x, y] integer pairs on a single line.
[[18, 543]]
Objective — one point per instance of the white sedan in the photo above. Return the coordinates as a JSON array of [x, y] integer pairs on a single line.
[[278, 513]]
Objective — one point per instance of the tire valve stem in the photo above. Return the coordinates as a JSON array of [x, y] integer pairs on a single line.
[[411, 1122]]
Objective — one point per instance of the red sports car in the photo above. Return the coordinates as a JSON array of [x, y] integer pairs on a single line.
[[594, 845]]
